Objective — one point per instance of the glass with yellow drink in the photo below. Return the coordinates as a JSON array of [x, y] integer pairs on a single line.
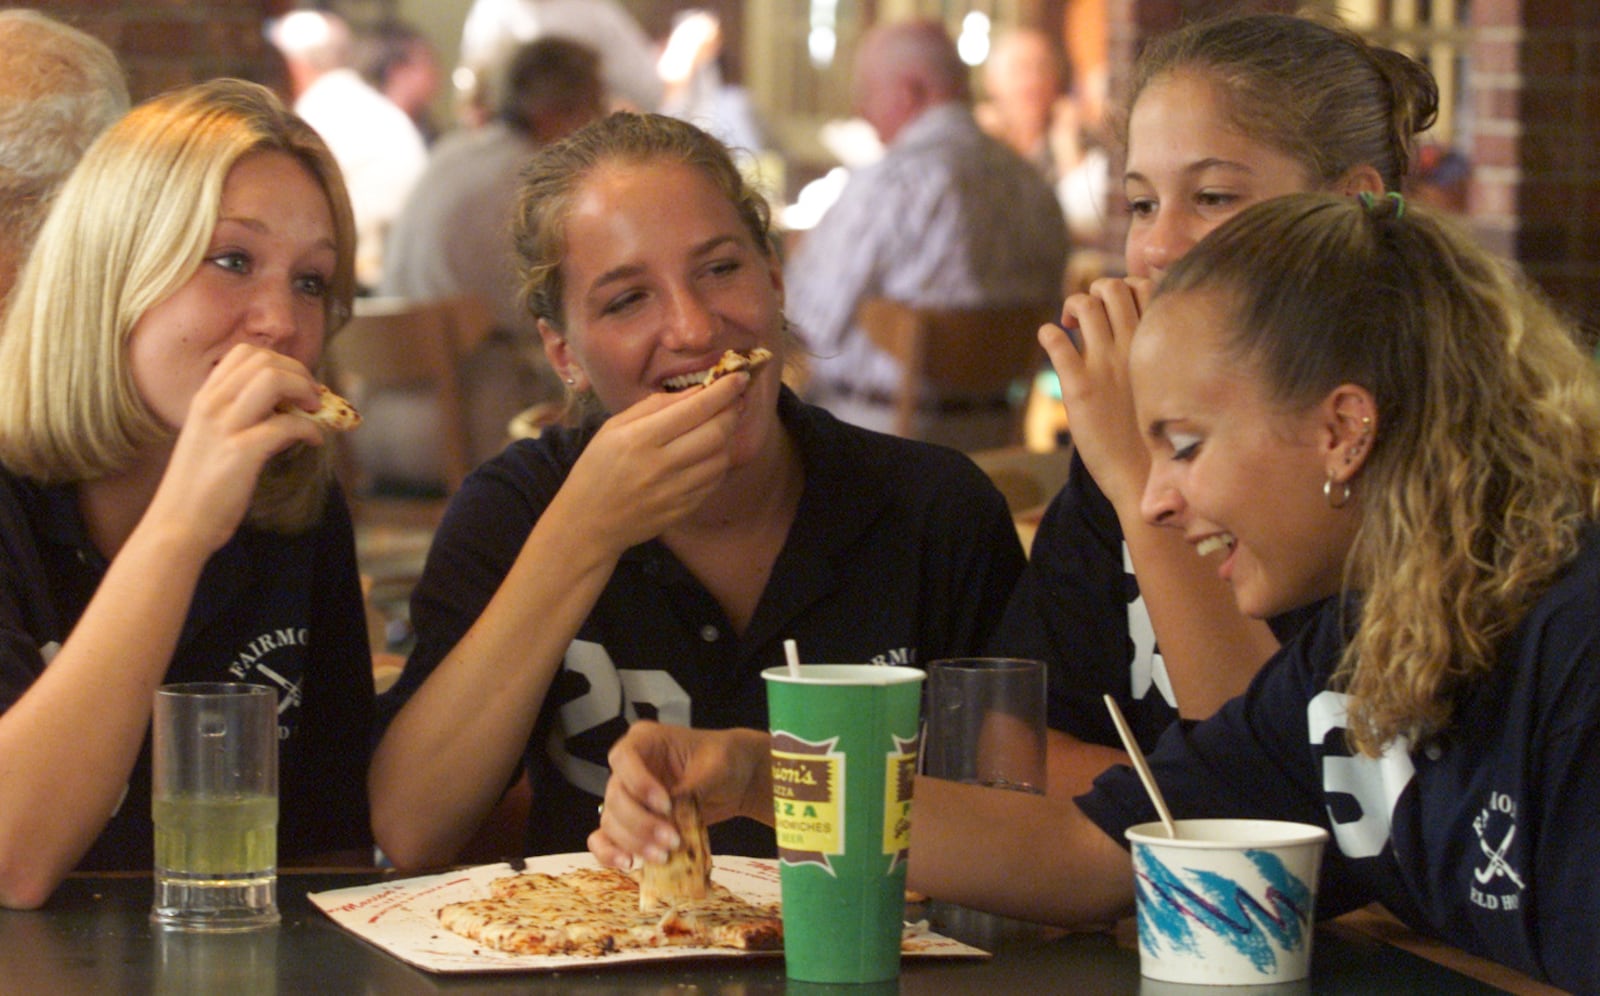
[[215, 806]]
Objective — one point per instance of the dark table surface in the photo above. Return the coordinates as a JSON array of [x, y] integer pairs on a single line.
[[94, 936]]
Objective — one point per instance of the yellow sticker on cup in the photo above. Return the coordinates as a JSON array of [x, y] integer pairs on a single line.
[[899, 775], [807, 799]]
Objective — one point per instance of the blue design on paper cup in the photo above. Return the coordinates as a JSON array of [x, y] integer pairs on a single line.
[[1176, 906]]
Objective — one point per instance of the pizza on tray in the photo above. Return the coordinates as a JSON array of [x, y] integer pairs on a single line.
[[596, 911]]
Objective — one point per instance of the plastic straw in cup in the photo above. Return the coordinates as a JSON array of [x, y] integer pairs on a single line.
[[792, 654], [1142, 767]]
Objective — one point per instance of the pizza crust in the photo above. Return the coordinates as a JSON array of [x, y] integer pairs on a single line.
[[333, 412], [732, 361]]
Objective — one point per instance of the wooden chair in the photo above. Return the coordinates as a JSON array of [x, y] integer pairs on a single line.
[[391, 344], [414, 345], [956, 353]]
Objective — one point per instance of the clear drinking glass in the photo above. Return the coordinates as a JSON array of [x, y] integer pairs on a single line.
[[214, 801], [985, 723]]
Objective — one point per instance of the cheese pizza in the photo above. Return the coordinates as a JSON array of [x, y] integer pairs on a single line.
[[595, 911]]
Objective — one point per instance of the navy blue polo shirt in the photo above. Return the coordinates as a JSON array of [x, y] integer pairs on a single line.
[[1484, 836], [274, 610], [900, 553]]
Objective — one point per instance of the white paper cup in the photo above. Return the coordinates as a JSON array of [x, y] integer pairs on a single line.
[[1228, 903]]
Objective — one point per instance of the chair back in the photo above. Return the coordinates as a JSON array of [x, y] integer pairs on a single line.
[[415, 345], [956, 352]]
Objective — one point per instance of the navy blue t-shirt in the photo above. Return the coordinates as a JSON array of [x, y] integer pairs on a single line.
[[900, 553], [1077, 608], [1484, 836], [274, 610]]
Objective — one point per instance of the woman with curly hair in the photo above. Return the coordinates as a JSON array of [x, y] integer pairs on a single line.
[[1361, 410]]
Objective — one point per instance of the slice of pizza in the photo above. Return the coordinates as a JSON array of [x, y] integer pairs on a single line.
[[732, 361], [333, 412], [724, 920], [686, 874]]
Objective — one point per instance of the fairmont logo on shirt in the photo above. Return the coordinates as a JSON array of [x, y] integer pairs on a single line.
[[251, 665], [1497, 884]]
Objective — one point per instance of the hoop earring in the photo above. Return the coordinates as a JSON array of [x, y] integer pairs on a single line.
[[1343, 498]]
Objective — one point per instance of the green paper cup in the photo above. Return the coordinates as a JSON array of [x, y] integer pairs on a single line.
[[844, 756]]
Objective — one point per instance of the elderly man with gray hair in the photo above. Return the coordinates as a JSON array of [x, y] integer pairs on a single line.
[[58, 89]]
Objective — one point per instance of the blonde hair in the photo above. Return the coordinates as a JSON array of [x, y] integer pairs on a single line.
[[1315, 91], [129, 227], [1485, 465]]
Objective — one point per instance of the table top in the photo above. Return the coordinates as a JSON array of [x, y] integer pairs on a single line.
[[94, 935]]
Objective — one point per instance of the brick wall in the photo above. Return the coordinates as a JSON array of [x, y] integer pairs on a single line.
[[1540, 119], [167, 43]]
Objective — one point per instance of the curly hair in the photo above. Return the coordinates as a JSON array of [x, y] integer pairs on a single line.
[[1485, 466]]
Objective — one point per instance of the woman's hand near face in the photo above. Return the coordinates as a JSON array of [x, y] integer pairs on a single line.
[[432, 777], [653, 464], [1094, 382], [232, 429]]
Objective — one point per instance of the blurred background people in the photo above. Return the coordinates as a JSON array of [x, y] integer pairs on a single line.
[[949, 217], [691, 71], [379, 149], [494, 28], [454, 237], [59, 88], [399, 62], [1025, 106]]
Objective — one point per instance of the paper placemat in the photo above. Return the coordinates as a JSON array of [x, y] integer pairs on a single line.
[[399, 917]]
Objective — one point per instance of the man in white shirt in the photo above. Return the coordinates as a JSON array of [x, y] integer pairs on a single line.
[[494, 28], [948, 218], [377, 145]]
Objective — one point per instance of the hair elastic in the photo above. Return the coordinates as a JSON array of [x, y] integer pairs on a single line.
[[1368, 201]]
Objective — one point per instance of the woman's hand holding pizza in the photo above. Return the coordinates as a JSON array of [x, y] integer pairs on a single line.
[[727, 771], [652, 464], [233, 427], [1094, 381]]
